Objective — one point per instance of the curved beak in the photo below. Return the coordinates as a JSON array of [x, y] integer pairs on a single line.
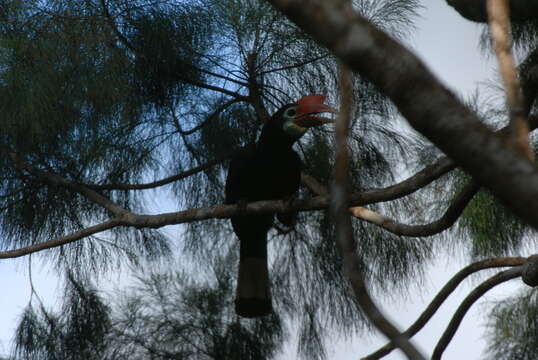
[[308, 108]]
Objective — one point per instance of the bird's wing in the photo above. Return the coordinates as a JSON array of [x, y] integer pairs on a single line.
[[238, 175]]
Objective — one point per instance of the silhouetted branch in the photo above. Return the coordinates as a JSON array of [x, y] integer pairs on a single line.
[[122, 39], [53, 179], [444, 293], [293, 66], [448, 219], [468, 302], [211, 117], [344, 231], [107, 225], [162, 182], [254, 93]]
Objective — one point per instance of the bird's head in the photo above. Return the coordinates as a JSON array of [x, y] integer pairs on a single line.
[[299, 117], [293, 120]]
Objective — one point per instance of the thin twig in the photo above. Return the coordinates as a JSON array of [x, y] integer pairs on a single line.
[[211, 116], [344, 232], [444, 293], [499, 24], [54, 179], [161, 182]]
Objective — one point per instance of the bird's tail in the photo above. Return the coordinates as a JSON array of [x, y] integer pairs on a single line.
[[253, 297]]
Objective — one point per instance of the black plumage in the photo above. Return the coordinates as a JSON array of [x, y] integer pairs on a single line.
[[269, 170]]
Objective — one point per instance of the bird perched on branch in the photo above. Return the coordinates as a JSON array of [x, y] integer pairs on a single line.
[[270, 170]]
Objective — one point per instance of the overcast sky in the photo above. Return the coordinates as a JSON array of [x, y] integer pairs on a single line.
[[449, 45]]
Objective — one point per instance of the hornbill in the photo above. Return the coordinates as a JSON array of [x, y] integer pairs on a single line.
[[269, 170]]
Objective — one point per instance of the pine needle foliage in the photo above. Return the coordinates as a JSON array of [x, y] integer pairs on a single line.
[[163, 315], [513, 328], [491, 229], [78, 331], [170, 315], [140, 90]]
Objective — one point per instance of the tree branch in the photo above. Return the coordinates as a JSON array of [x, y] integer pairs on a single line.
[[293, 66], [254, 90], [57, 180], [415, 182], [344, 231], [499, 25], [444, 293], [210, 118], [161, 182], [213, 212], [468, 302], [475, 10], [122, 39], [61, 240], [392, 68], [112, 23], [447, 220]]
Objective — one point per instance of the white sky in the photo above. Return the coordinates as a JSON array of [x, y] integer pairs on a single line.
[[449, 45]]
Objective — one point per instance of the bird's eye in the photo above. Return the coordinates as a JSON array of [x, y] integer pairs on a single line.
[[291, 112]]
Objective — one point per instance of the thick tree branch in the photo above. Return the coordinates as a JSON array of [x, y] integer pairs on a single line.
[[475, 10], [444, 293], [429, 106], [214, 212], [344, 231], [468, 302]]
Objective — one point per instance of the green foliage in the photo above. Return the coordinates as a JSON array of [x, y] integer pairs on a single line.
[[169, 42], [513, 328], [492, 230], [78, 331], [171, 315]]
